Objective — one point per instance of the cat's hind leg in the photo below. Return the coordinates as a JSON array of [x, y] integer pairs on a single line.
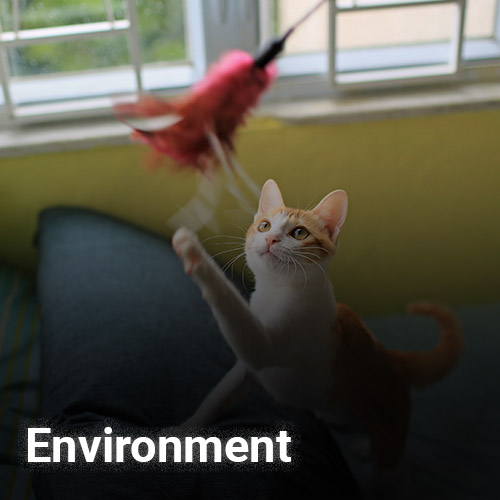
[[391, 472], [229, 389], [392, 483]]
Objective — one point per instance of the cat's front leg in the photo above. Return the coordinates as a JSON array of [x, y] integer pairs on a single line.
[[241, 329], [229, 389], [199, 265]]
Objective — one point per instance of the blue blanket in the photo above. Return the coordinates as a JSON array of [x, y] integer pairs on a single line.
[[19, 374], [454, 444], [453, 449]]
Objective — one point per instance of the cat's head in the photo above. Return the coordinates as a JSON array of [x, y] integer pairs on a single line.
[[282, 240]]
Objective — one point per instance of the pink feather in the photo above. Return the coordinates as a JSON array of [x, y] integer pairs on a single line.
[[219, 103]]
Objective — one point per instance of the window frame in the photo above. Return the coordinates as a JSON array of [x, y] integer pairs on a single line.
[[302, 75], [414, 73], [50, 105], [319, 79]]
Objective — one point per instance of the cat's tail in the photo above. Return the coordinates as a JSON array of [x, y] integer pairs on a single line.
[[428, 367]]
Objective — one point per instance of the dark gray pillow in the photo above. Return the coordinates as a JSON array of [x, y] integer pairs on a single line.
[[126, 335]]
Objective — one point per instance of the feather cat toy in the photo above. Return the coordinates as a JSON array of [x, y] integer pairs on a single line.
[[197, 130], [216, 105], [296, 342]]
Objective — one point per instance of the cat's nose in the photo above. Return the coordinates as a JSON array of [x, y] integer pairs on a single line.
[[271, 240]]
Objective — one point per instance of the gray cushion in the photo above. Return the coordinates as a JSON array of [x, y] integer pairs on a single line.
[[126, 335]]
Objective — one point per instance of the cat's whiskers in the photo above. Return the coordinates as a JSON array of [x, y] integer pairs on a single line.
[[281, 260], [320, 248], [241, 247], [233, 264], [244, 231], [311, 254], [311, 204], [325, 277], [223, 236], [287, 267], [303, 270], [285, 261], [295, 267], [243, 278], [232, 261], [228, 243]]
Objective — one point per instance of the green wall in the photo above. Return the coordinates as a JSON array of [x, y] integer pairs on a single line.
[[424, 193]]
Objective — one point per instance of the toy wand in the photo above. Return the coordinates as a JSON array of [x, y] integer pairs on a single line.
[[273, 48], [197, 130]]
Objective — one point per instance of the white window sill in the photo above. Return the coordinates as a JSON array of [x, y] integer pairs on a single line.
[[43, 138], [389, 104]]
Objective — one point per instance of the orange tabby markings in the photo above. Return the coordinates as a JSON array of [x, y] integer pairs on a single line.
[[302, 347], [373, 384]]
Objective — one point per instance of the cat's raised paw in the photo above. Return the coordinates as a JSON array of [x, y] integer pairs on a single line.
[[188, 248]]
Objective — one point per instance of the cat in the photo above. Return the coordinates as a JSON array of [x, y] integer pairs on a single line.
[[304, 349]]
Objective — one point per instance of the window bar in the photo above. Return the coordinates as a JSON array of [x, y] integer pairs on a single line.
[[15, 16], [4, 78], [401, 4], [247, 8], [497, 22], [63, 33], [265, 20], [332, 41], [196, 36], [109, 12], [458, 40], [363, 77], [134, 44]]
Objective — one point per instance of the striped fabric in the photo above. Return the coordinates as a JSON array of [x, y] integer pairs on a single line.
[[19, 375]]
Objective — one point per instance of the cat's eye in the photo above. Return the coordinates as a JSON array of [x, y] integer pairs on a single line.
[[264, 226], [299, 233]]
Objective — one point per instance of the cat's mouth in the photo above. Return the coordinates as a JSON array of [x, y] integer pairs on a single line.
[[271, 255]]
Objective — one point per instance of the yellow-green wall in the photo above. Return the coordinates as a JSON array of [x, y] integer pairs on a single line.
[[424, 218]]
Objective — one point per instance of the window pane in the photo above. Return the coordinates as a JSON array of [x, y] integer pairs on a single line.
[[161, 27], [72, 56], [480, 37], [312, 36], [360, 3], [46, 13], [162, 30], [369, 28], [408, 42], [389, 27], [480, 19]]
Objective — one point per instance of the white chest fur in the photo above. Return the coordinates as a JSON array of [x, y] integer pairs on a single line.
[[300, 323]]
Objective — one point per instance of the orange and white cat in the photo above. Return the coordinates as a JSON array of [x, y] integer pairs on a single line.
[[306, 350]]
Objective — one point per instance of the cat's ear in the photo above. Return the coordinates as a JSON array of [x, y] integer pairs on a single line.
[[270, 198], [332, 211]]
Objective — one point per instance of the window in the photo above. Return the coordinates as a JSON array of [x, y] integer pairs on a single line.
[[66, 57], [365, 42], [73, 57]]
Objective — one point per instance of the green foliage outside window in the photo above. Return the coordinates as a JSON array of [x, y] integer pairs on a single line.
[[161, 30]]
